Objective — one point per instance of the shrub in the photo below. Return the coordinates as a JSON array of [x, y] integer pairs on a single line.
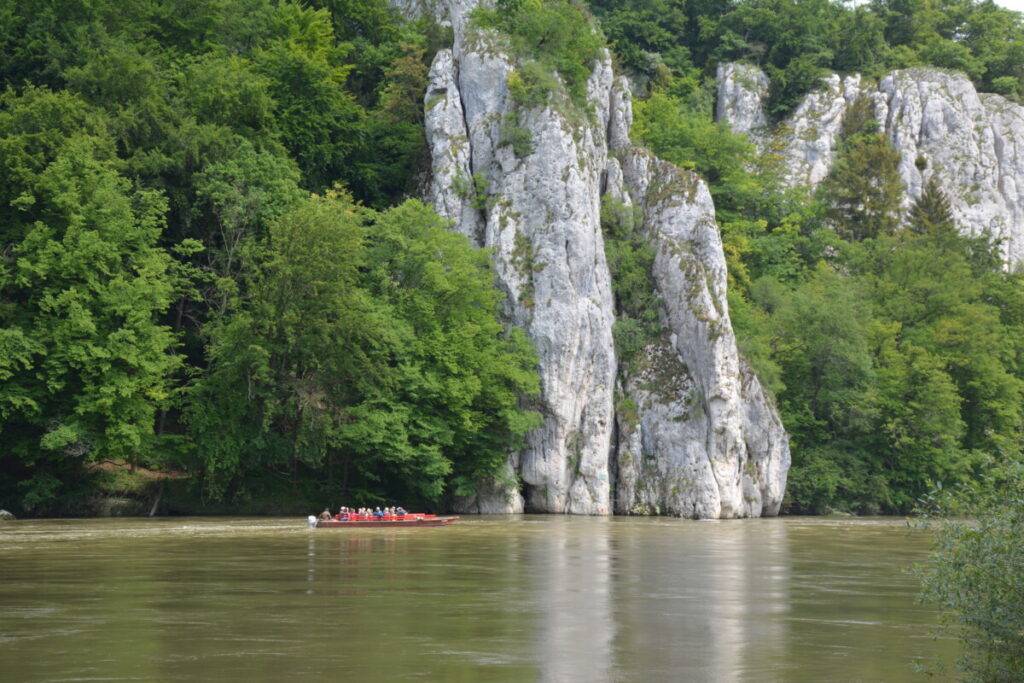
[[558, 36], [974, 574]]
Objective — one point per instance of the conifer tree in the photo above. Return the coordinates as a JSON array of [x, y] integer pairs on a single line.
[[864, 188], [931, 214]]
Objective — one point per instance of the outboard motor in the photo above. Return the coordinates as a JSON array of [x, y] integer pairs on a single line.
[[312, 521]]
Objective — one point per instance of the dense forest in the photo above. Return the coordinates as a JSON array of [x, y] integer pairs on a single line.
[[208, 273], [211, 271]]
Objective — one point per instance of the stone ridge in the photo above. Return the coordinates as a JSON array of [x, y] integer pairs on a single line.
[[936, 119], [703, 441]]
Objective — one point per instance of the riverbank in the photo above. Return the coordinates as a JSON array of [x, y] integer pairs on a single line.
[[119, 489]]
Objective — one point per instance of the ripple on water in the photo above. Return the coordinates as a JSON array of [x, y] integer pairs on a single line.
[[498, 598], [24, 534]]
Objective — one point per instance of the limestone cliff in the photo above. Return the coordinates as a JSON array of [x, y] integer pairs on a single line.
[[938, 122], [687, 429]]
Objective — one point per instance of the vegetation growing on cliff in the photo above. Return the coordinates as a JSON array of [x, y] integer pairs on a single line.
[[548, 37], [891, 341], [630, 260], [798, 41]]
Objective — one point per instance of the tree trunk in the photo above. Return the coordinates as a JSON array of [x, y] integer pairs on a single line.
[[156, 503]]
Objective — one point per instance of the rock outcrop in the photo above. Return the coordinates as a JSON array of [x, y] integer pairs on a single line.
[[690, 450], [939, 123], [686, 430]]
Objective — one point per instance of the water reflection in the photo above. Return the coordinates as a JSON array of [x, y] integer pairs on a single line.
[[498, 598], [576, 629], [695, 597]]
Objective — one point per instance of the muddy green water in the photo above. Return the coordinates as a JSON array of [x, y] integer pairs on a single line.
[[488, 599]]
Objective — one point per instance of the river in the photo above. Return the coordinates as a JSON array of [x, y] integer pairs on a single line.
[[534, 598]]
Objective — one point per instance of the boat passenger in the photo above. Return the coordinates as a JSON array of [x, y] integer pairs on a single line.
[[378, 513], [325, 515], [400, 510]]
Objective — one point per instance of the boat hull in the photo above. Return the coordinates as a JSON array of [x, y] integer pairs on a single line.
[[386, 523]]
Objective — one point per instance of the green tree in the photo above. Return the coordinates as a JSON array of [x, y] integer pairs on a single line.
[[395, 130], [86, 363], [367, 348], [919, 426], [931, 213], [318, 119], [281, 361], [941, 288], [945, 382], [649, 37], [237, 199], [864, 187], [820, 336], [973, 573], [461, 371]]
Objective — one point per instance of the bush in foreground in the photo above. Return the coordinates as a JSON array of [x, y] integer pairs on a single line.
[[975, 575]]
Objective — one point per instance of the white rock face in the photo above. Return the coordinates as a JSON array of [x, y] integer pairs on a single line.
[[663, 461], [540, 216], [742, 92], [704, 442], [936, 119], [969, 141], [449, 146], [767, 445]]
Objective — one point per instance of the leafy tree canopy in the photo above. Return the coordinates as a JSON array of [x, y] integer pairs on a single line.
[[160, 253], [364, 345]]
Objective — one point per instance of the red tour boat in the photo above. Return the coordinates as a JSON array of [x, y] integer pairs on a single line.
[[353, 521]]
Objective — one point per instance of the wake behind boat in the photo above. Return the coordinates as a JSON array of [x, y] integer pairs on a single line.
[[388, 521]]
